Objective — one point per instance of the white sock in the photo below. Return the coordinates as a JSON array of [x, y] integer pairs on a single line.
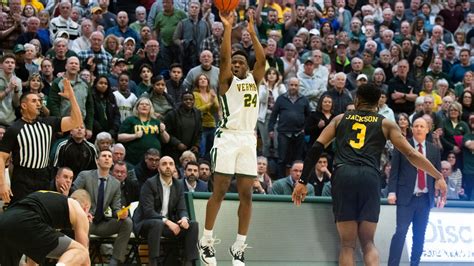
[[239, 241], [207, 234]]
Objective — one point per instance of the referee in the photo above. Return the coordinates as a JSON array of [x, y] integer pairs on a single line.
[[28, 140]]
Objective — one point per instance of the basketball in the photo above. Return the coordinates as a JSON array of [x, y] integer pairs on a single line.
[[226, 5]]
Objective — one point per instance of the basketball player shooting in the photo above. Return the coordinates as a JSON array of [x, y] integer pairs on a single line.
[[234, 151]]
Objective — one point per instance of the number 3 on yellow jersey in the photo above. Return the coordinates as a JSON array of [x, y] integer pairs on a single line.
[[360, 136]]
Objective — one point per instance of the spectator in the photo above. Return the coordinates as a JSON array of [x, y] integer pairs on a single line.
[[436, 71], [191, 181], [10, 90], [184, 126], [458, 70], [206, 58], [145, 86], [383, 107], [32, 26], [205, 173], [341, 97], [468, 156], [142, 131], [140, 15], [467, 106], [213, 42], [106, 112], [319, 79], [341, 62], [465, 85], [153, 57], [272, 22], [452, 16], [122, 29], [75, 152], [428, 103], [63, 22], [165, 24], [96, 59], [454, 193], [62, 182], [174, 85], [206, 102], [291, 109], [454, 129], [284, 186], [128, 184], [320, 175], [103, 141], [262, 175], [32, 174], [162, 102], [320, 119], [83, 42], [124, 98], [269, 91], [189, 37], [107, 19], [99, 182], [443, 111], [11, 27], [402, 90], [153, 221], [46, 72], [60, 108]]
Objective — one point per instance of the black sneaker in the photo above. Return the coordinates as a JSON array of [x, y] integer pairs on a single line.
[[238, 255], [207, 251]]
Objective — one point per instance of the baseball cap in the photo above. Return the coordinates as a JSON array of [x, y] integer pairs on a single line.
[[95, 9], [129, 39], [342, 44], [309, 60], [362, 76], [18, 48], [450, 45], [355, 39], [120, 60], [314, 32]]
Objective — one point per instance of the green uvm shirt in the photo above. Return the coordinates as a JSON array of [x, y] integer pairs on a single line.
[[150, 139]]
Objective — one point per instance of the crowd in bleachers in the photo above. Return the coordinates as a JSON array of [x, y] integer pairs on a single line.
[[165, 54]]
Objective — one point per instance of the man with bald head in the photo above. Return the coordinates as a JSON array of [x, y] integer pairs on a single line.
[[413, 191], [169, 218], [206, 58], [60, 107], [96, 59], [122, 29]]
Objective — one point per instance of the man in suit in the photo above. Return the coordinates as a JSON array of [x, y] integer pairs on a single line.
[[284, 186], [191, 180], [162, 212], [413, 191], [105, 194]]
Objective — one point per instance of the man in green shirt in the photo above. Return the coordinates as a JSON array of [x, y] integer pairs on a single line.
[[165, 25]]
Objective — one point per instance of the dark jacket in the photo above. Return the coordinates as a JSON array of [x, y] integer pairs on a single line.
[[291, 115], [201, 186], [151, 200], [107, 119], [143, 173]]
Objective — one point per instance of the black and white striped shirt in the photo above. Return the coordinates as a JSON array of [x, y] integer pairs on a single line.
[[30, 144]]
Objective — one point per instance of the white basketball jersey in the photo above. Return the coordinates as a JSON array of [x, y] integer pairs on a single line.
[[125, 105], [240, 105]]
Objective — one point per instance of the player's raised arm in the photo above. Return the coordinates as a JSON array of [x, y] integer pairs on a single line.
[[225, 72], [259, 67]]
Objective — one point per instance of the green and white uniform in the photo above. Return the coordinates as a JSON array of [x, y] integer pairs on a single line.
[[235, 143]]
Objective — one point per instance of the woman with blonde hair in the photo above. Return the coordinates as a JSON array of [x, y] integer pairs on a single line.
[[112, 44], [142, 131], [206, 101]]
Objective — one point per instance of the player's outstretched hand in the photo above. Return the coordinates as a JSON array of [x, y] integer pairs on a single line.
[[299, 194], [227, 18], [251, 25], [67, 92]]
